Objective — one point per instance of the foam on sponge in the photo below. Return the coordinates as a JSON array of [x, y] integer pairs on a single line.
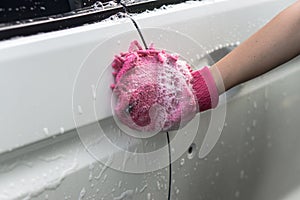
[[153, 89]]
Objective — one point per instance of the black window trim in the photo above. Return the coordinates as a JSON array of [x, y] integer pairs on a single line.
[[75, 19]]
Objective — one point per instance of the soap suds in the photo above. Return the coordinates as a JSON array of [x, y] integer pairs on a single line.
[[153, 89]]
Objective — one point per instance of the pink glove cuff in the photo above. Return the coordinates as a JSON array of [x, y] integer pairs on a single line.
[[205, 89]]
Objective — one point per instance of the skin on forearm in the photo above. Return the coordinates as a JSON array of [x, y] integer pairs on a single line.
[[274, 44]]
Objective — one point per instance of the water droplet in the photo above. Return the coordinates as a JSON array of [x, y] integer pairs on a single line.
[[182, 162], [149, 196], [173, 150], [143, 188], [164, 7], [104, 178], [237, 194], [248, 129], [61, 130], [158, 185], [255, 104], [125, 195], [91, 174], [79, 108], [242, 174], [46, 131], [254, 123], [104, 167], [253, 138], [82, 193], [93, 91], [98, 5]]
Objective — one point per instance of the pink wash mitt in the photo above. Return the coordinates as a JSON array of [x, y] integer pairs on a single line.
[[157, 91]]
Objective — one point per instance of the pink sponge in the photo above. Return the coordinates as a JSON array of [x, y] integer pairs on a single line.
[[157, 91]]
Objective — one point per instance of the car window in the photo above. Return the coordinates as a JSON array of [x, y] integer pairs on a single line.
[[27, 17], [16, 10]]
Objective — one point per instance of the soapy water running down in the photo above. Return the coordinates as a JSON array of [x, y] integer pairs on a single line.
[[168, 76]]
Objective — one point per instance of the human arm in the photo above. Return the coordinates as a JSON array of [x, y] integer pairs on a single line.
[[274, 44]]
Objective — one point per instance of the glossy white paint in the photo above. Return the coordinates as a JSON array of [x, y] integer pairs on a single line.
[[38, 72], [257, 156]]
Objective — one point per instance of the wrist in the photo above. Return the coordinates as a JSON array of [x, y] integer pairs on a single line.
[[217, 79], [205, 89]]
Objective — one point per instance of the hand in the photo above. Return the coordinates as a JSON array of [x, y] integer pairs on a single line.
[[156, 91]]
